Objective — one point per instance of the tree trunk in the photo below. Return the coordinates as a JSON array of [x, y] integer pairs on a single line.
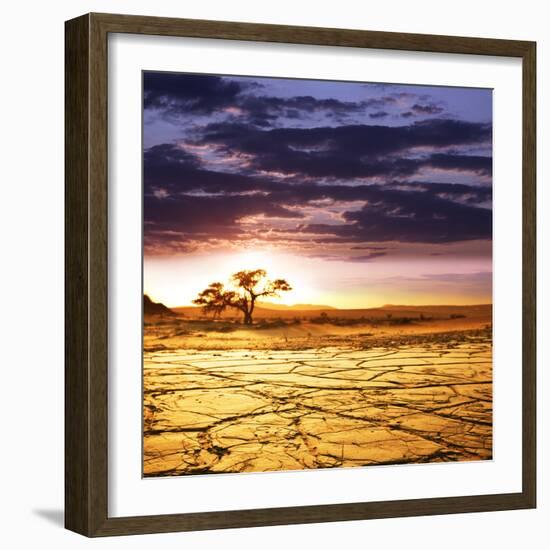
[[247, 318], [251, 309]]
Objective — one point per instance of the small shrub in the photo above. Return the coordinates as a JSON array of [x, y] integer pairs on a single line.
[[457, 316]]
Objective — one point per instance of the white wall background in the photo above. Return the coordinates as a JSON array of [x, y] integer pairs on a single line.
[[31, 276]]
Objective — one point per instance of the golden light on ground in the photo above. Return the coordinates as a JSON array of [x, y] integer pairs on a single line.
[[237, 427]]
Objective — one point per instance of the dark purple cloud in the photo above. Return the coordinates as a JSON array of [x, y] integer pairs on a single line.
[[356, 139], [182, 94], [254, 164], [462, 163], [427, 109], [172, 168], [197, 201], [351, 151], [189, 93], [195, 94], [378, 114]]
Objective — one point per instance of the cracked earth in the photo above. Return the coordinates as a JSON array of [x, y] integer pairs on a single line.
[[402, 401]]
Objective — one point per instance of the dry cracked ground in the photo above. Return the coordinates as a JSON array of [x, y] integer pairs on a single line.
[[208, 411]]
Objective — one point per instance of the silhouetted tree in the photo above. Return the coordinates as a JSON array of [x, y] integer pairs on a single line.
[[254, 284], [215, 299], [250, 285]]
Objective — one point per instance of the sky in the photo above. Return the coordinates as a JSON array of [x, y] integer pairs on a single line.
[[359, 194]]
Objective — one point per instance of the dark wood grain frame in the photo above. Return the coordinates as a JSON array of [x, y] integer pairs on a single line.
[[86, 318]]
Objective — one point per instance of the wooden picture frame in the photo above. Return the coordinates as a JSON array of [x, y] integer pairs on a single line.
[[86, 357]]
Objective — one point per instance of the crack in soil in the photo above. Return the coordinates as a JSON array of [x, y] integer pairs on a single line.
[[221, 411]]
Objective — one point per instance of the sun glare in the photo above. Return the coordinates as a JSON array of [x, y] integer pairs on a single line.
[[277, 266], [249, 259]]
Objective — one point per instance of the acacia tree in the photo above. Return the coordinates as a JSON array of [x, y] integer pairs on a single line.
[[215, 299], [250, 285]]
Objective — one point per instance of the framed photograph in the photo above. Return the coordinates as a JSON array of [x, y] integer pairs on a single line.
[[300, 275]]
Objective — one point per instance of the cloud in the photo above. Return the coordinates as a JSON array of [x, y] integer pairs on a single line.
[[196, 94], [343, 258], [460, 277], [184, 197], [375, 248], [189, 93], [180, 94], [378, 114], [349, 151], [188, 218], [411, 216], [380, 102], [462, 163], [427, 109], [365, 257], [264, 110], [175, 170], [322, 175]]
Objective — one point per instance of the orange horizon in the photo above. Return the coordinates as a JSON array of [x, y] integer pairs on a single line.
[[265, 305]]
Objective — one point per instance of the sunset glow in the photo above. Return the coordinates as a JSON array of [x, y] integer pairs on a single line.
[[331, 283]]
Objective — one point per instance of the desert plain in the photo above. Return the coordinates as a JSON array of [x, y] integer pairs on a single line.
[[306, 388]]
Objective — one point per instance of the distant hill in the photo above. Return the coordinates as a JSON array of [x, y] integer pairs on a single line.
[[267, 311], [154, 308], [473, 310]]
